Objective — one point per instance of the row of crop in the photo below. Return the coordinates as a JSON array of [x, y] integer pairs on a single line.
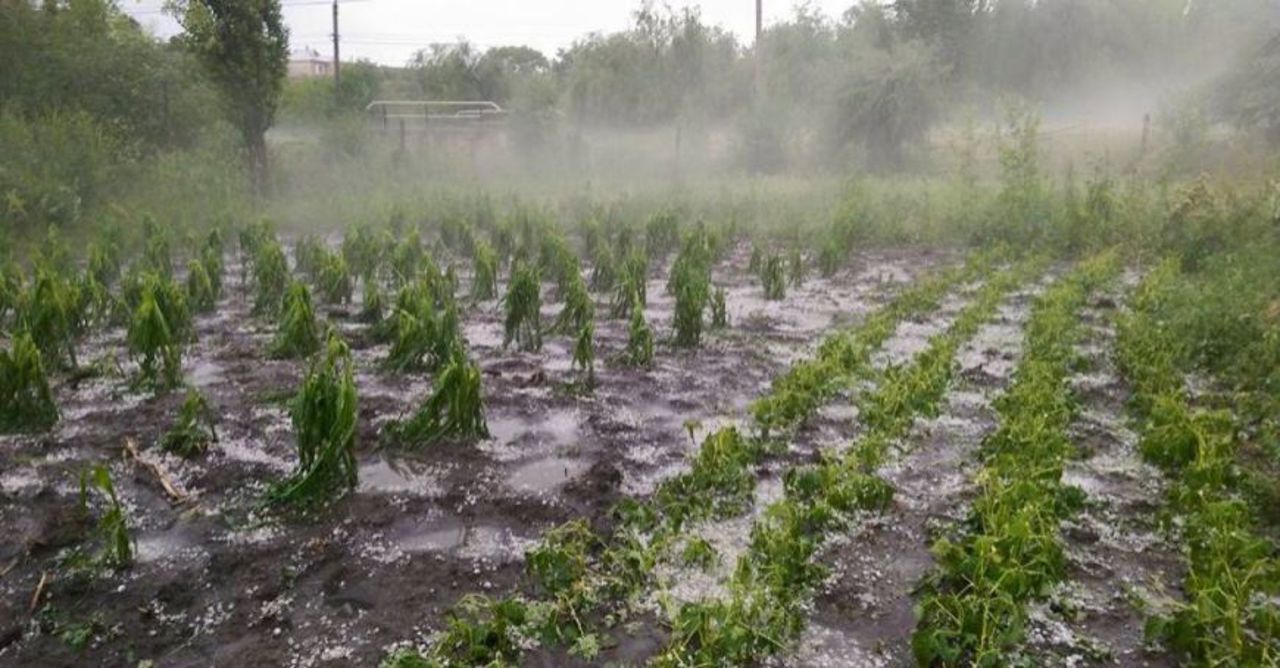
[[579, 577], [1007, 553], [1230, 615], [773, 582]]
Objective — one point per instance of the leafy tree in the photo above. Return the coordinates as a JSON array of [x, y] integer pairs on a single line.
[[1249, 96], [244, 45]]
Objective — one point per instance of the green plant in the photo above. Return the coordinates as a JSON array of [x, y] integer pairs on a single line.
[[455, 408], [194, 429], [604, 273], [578, 310], [115, 546], [774, 279], [631, 289], [296, 335], [153, 345], [50, 312], [270, 277], [584, 359], [200, 291], [719, 310], [484, 277], [371, 307], [523, 305], [26, 403], [691, 301], [324, 415], [639, 351], [333, 281], [425, 337]]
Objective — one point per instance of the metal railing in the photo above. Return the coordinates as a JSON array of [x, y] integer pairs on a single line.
[[420, 112]]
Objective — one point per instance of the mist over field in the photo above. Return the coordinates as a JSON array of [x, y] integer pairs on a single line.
[[933, 333]]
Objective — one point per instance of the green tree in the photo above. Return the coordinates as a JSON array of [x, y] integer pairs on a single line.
[[244, 46]]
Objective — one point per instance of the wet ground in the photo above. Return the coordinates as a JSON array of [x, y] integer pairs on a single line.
[[218, 581]]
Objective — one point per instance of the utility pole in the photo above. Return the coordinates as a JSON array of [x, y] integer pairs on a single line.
[[337, 75], [759, 20]]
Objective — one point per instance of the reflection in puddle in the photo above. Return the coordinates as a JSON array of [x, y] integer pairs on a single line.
[[399, 476], [448, 535], [545, 475]]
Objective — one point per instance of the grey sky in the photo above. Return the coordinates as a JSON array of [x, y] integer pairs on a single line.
[[388, 31]]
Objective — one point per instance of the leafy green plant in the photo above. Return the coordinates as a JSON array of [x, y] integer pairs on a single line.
[[523, 305], [324, 415], [371, 307], [425, 337], [296, 335], [26, 403], [578, 311], [455, 408], [50, 312], [719, 310], [631, 289], [691, 301], [584, 359], [604, 272], [484, 276], [774, 279], [194, 429], [639, 350], [116, 547], [270, 277], [200, 290], [153, 345], [333, 281]]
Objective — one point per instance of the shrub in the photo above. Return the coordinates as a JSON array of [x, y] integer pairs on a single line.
[[26, 403]]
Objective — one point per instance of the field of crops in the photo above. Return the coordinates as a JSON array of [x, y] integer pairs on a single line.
[[515, 438]]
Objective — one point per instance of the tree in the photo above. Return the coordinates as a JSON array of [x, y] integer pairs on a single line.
[[244, 45], [1249, 96], [886, 100]]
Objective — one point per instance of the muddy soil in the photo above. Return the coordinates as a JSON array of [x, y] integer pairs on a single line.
[[221, 581]]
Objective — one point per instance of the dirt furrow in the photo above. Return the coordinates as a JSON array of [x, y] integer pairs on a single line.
[[863, 616]]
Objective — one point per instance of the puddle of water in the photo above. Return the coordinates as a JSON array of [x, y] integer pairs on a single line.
[[513, 438], [441, 535], [545, 475], [399, 476], [205, 373]]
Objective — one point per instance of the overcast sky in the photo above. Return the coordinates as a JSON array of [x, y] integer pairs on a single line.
[[389, 31]]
